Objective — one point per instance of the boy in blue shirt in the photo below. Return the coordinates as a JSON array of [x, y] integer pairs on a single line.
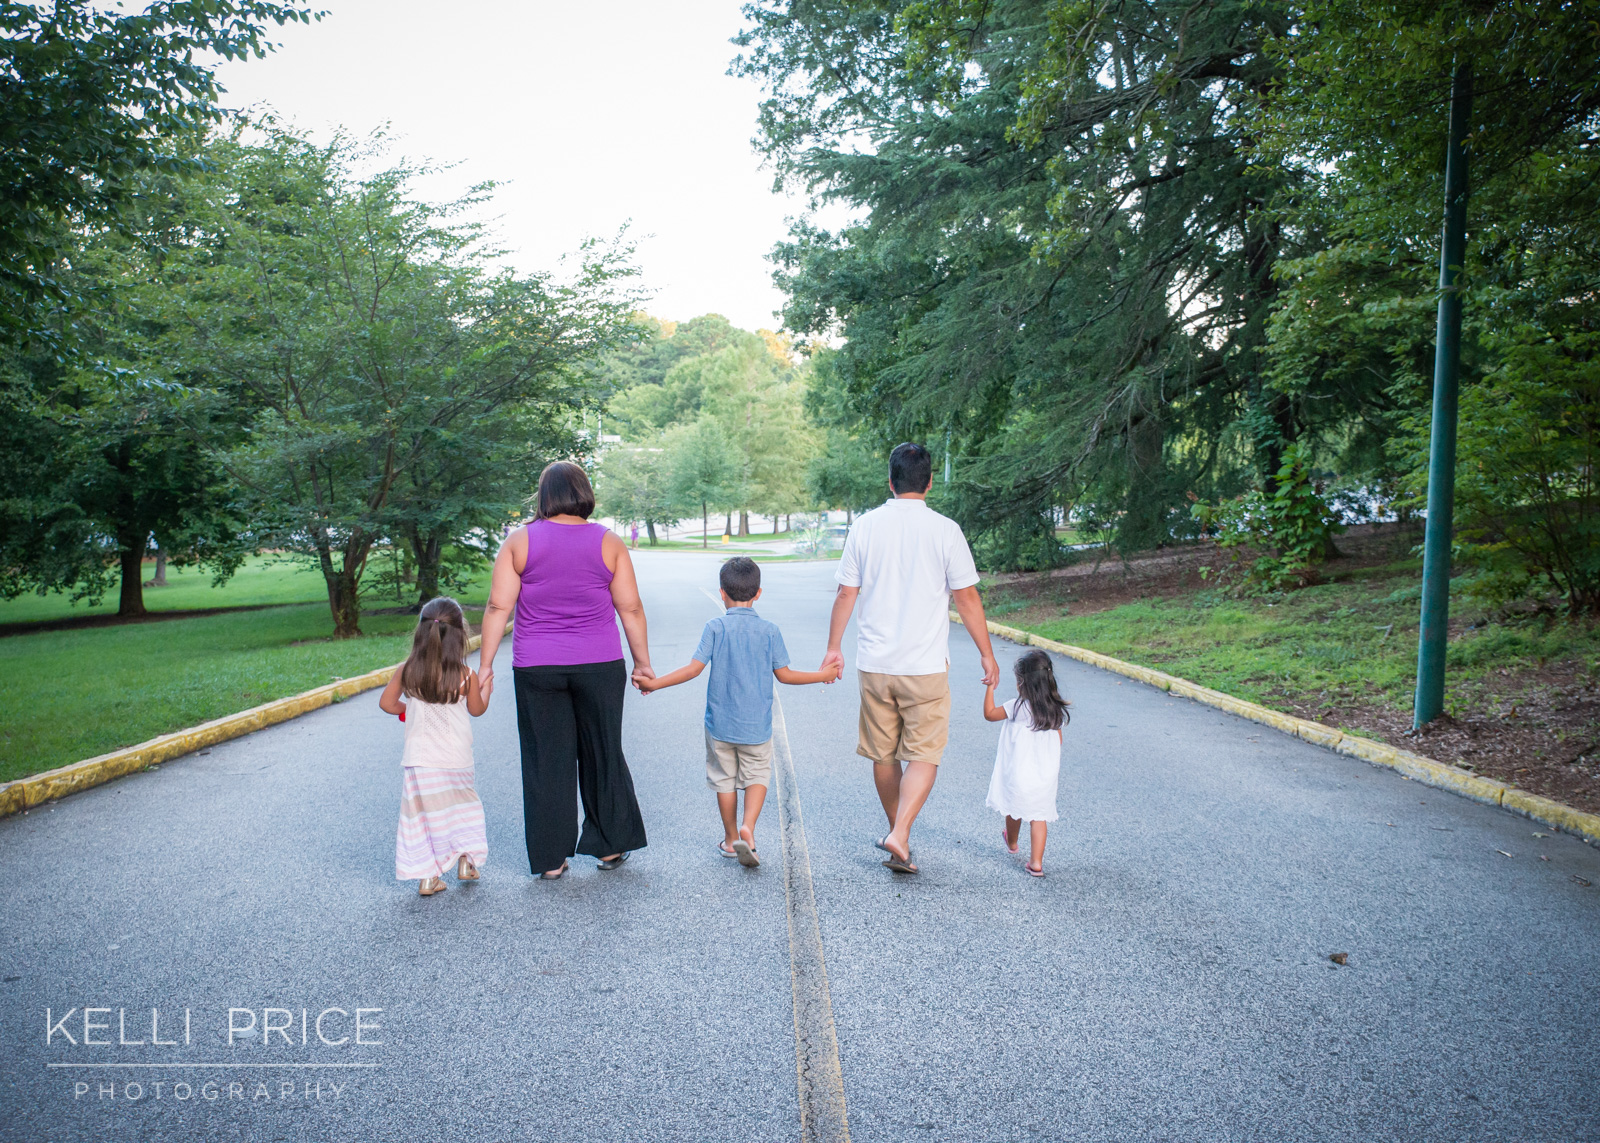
[[745, 654]]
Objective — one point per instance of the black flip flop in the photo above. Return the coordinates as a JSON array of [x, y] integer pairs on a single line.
[[615, 861]]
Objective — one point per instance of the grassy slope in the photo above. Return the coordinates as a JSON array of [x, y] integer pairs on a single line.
[[1351, 640], [77, 693]]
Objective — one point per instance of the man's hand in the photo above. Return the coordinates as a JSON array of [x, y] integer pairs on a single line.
[[991, 671]]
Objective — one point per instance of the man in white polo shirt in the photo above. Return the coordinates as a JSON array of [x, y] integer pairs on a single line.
[[907, 564]]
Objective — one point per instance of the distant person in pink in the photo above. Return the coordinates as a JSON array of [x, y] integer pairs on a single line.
[[568, 582]]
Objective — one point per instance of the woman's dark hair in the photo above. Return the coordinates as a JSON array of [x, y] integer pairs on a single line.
[[910, 468], [438, 659], [564, 490], [1036, 686]]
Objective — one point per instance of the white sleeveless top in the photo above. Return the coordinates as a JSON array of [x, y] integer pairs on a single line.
[[1027, 766], [438, 734]]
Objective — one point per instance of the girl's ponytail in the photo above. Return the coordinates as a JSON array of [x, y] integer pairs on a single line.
[[1036, 686], [437, 664]]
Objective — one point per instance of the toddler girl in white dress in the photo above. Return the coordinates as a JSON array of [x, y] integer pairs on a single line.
[[1028, 761]]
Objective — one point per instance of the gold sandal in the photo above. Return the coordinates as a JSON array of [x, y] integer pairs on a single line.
[[465, 870], [428, 886]]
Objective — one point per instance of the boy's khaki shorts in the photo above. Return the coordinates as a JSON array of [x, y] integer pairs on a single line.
[[733, 766], [904, 718]]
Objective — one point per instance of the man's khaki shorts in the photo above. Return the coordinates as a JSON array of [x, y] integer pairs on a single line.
[[733, 766], [904, 718]]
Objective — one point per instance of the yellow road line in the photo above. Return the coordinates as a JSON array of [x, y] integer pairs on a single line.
[[823, 1118]]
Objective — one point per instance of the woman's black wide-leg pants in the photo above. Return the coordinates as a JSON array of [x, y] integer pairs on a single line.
[[566, 715]]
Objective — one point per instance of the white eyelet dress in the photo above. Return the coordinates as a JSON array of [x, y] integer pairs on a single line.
[[440, 814], [1027, 767]]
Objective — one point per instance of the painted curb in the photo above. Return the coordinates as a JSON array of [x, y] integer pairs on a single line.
[[1412, 766], [36, 789]]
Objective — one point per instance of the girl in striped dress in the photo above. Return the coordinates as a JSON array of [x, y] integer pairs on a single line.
[[434, 693]]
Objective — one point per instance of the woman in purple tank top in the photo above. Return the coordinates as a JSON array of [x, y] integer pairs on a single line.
[[569, 582]]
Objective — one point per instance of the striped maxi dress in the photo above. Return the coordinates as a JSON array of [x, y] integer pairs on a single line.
[[440, 814]]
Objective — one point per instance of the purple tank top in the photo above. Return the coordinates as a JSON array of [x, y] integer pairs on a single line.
[[565, 614]]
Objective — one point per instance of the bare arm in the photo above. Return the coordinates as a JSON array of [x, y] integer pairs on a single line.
[[389, 701], [970, 607], [630, 608], [681, 675], [504, 586], [478, 692], [990, 711], [843, 604], [828, 674]]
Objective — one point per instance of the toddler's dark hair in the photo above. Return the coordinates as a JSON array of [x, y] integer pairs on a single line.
[[740, 578], [1036, 686], [437, 664]]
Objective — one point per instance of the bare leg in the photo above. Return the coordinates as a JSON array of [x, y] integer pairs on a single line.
[[914, 791], [1037, 831], [1013, 830], [754, 798], [728, 807], [887, 779]]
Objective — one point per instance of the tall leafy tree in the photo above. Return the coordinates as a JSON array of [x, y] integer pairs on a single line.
[[90, 99], [1065, 249], [380, 360]]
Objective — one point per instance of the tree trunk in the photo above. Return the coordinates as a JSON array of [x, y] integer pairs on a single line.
[[650, 526], [160, 579], [131, 558], [427, 550], [744, 522]]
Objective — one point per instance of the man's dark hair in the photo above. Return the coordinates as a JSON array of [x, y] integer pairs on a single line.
[[910, 468], [564, 490], [740, 578]]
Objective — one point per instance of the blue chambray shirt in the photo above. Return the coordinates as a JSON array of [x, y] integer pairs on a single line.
[[742, 649]]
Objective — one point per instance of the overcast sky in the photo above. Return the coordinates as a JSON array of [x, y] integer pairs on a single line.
[[593, 114]]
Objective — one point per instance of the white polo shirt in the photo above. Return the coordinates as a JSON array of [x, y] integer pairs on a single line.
[[906, 559]]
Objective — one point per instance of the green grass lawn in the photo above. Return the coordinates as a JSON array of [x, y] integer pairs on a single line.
[[1353, 640], [75, 694], [262, 580]]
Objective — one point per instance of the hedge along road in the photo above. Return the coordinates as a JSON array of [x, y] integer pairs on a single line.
[[1168, 979]]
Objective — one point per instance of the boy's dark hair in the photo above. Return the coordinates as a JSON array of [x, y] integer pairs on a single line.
[[910, 468], [1036, 686], [740, 578], [437, 663], [564, 490]]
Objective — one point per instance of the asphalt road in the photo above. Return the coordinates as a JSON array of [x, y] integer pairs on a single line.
[[1168, 980]]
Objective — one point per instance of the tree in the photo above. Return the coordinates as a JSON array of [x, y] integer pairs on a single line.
[[379, 358], [1064, 252], [704, 469], [90, 99], [635, 485]]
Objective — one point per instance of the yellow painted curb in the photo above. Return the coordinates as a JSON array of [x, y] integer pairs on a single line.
[[35, 789], [1413, 766]]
